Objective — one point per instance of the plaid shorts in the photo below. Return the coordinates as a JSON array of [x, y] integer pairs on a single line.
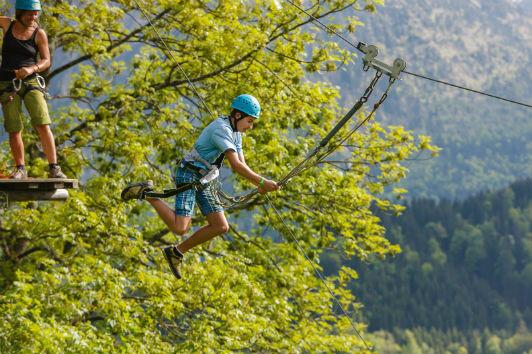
[[207, 198]]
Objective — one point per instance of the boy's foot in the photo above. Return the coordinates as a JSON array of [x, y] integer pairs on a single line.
[[55, 172], [174, 258], [19, 173], [136, 190]]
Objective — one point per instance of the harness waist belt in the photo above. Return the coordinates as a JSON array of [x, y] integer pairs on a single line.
[[189, 165]]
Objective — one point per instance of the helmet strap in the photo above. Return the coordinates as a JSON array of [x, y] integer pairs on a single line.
[[233, 121], [24, 25]]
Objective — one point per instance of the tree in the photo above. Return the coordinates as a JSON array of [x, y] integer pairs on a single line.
[[87, 275]]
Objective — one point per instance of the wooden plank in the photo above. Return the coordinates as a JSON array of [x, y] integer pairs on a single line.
[[18, 196], [37, 184]]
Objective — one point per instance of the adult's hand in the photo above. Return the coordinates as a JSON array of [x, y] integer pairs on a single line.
[[23, 72]]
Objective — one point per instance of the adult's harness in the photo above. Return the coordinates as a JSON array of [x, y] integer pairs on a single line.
[[21, 87]]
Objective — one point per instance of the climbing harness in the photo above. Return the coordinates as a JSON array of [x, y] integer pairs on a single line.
[[207, 177], [22, 87]]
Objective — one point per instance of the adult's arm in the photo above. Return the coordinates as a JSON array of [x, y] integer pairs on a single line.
[[4, 23], [44, 51], [44, 54]]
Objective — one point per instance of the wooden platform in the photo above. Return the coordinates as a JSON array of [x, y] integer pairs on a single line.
[[37, 188]]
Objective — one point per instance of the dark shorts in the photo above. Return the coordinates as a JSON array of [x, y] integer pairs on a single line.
[[207, 199]]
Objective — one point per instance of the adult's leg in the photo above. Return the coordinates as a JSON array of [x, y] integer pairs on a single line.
[[47, 141], [40, 119], [17, 147], [217, 225], [11, 108], [178, 224]]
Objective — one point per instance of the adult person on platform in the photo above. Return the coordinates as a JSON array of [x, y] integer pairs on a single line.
[[25, 53]]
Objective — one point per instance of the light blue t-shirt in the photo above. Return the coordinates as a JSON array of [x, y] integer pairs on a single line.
[[215, 139]]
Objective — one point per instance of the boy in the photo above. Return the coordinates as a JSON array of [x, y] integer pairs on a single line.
[[221, 137]]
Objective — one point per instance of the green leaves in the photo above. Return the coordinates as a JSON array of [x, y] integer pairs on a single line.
[[88, 275]]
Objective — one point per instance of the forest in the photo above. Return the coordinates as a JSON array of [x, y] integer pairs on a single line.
[[464, 274]]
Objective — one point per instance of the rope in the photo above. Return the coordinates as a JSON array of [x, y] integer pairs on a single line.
[[324, 26], [175, 60], [307, 162], [360, 124], [318, 273]]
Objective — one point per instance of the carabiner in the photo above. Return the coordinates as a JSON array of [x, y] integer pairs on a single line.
[[17, 84], [40, 81], [210, 176]]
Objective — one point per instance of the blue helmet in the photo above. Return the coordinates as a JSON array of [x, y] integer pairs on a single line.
[[31, 5], [247, 104]]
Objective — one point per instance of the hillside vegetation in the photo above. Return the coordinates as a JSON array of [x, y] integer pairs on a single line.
[[465, 272]]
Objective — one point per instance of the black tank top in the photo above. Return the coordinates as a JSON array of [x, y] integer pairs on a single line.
[[17, 53]]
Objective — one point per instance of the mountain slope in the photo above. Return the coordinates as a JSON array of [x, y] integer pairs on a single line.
[[485, 45]]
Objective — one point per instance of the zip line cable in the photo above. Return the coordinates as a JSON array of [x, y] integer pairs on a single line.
[[468, 89], [174, 59], [329, 29], [318, 273]]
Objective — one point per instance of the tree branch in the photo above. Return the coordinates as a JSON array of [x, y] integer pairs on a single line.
[[118, 43]]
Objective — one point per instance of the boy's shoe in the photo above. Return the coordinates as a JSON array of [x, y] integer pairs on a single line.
[[55, 172], [174, 258], [19, 173], [136, 190]]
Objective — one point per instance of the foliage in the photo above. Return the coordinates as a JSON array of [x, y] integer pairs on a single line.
[[87, 275], [432, 341]]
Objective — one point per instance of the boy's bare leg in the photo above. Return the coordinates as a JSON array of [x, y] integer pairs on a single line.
[[217, 225], [178, 224]]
